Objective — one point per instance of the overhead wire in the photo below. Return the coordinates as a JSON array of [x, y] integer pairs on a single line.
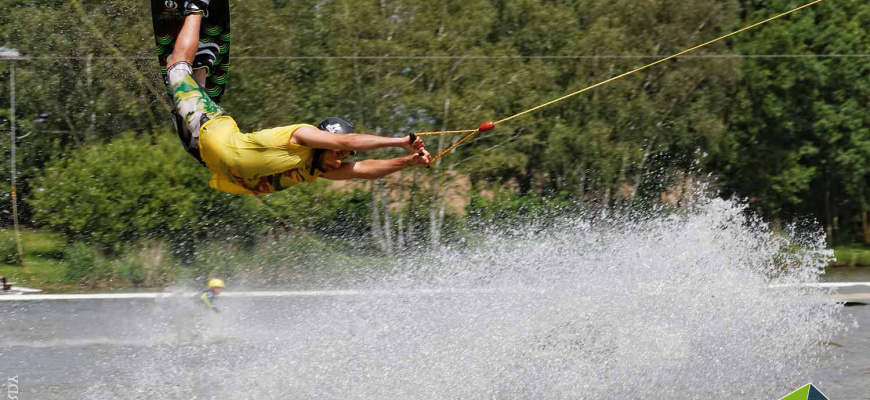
[[490, 125], [462, 57]]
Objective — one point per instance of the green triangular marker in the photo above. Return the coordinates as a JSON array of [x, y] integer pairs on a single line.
[[815, 394], [800, 394], [808, 392]]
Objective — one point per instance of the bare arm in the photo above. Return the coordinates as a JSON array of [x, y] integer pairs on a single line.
[[317, 139], [373, 169]]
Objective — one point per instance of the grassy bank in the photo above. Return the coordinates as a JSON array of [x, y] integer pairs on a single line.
[[297, 261], [47, 264], [852, 255], [43, 254], [293, 261]]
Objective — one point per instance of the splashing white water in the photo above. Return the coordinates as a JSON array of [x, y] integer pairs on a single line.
[[665, 306]]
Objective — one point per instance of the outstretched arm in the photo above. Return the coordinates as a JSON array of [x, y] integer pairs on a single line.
[[373, 169], [317, 139]]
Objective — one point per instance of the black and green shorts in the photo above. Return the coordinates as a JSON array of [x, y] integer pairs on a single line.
[[192, 106]]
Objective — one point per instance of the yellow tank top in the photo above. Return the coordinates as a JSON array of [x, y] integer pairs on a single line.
[[253, 163]]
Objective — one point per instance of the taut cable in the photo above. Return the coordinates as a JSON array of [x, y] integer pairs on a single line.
[[489, 125]]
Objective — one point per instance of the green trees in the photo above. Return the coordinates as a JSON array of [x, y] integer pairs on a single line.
[[599, 146], [130, 190], [790, 134], [801, 122], [139, 188]]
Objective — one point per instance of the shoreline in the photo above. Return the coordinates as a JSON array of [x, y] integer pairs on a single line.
[[342, 293]]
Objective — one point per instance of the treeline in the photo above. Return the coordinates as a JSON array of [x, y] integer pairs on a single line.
[[777, 115]]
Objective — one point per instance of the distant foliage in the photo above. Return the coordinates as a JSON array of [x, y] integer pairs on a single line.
[[131, 271], [132, 189], [504, 209], [139, 188], [146, 264], [85, 264], [315, 208], [789, 134], [9, 251], [301, 260], [141, 265]]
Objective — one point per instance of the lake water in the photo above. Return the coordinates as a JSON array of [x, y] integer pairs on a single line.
[[665, 307], [335, 347]]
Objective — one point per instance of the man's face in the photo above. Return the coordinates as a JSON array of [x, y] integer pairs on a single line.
[[332, 159]]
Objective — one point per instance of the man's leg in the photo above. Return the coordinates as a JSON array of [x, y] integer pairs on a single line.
[[199, 75], [193, 107], [187, 42]]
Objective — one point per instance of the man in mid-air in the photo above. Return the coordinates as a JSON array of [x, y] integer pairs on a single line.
[[272, 159]]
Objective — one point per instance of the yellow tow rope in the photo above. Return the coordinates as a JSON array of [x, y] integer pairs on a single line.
[[490, 125]]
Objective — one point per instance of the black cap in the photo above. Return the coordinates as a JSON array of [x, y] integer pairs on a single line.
[[336, 125], [333, 125]]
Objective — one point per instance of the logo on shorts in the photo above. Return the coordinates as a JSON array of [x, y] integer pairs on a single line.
[[170, 5]]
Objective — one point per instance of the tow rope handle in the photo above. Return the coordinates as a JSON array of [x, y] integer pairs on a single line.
[[413, 138]]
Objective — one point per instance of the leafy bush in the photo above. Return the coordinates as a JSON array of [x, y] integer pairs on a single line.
[[146, 265], [315, 208], [503, 208], [130, 271], [299, 260], [132, 189], [216, 259], [85, 264], [9, 251]]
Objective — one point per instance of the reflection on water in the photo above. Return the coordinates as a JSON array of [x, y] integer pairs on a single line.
[[847, 274]]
